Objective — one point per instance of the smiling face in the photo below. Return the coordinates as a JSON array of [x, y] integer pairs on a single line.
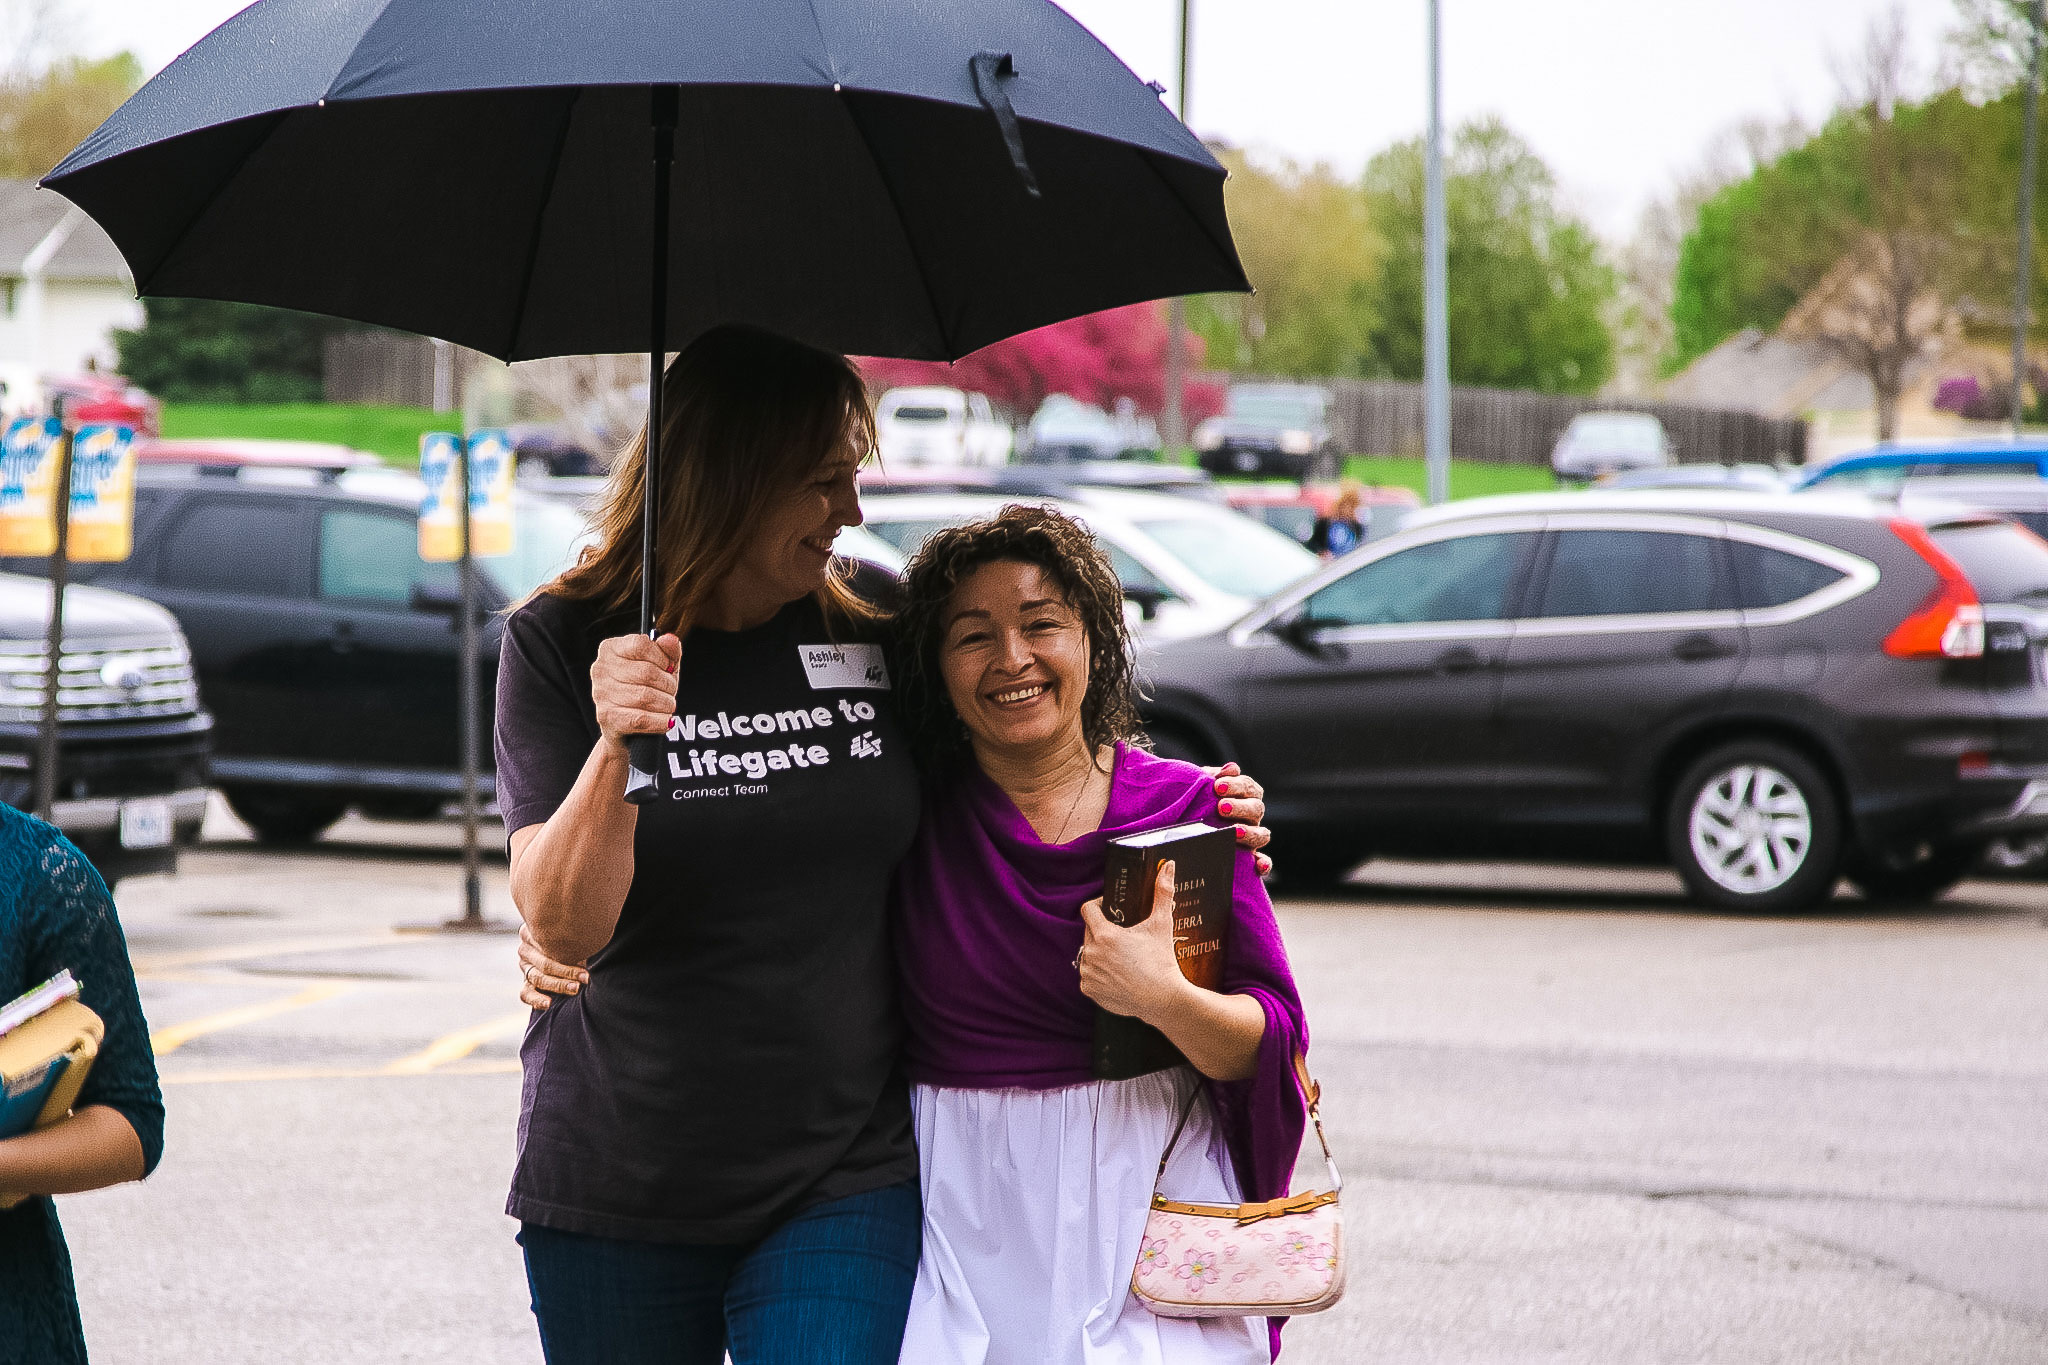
[[790, 550], [1015, 660]]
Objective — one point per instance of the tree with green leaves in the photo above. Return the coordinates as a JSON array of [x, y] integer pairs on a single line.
[[204, 351], [1529, 293], [1308, 246]]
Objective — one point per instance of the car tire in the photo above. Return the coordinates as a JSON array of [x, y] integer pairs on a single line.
[[1912, 876], [283, 815], [404, 807], [2018, 855], [1734, 794]]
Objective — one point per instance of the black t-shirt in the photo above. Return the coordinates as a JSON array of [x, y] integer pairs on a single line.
[[734, 1058]]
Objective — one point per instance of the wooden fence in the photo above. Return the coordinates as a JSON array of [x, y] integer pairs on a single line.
[[1511, 426], [393, 369]]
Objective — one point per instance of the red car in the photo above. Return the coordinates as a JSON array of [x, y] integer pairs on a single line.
[[95, 397]]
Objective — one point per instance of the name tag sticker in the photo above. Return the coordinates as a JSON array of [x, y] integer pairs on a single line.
[[844, 665]]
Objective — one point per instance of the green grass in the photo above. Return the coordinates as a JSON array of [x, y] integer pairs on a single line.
[[1468, 479], [393, 433]]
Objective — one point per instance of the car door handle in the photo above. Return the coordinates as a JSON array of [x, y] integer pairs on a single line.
[[342, 639], [1699, 648], [1459, 660]]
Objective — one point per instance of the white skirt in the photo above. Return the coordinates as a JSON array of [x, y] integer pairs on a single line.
[[1034, 1204]]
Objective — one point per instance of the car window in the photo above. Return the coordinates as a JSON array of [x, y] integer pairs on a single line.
[[1765, 577], [907, 533], [1468, 578], [239, 545], [1233, 554], [375, 557], [1633, 573], [547, 537], [1132, 574], [2005, 563]]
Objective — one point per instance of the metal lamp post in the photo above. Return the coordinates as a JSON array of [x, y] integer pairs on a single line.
[[2023, 275], [1436, 352]]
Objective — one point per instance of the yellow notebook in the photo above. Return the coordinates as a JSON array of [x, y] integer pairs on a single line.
[[43, 1065]]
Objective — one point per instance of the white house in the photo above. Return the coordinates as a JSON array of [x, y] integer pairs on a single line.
[[63, 286]]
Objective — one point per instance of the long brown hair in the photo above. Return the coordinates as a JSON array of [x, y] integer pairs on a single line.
[[746, 415]]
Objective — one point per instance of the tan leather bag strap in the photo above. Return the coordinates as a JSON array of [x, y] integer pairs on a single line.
[[1311, 1093]]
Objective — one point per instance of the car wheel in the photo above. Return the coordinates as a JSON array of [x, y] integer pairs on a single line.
[[282, 815], [1912, 876], [1754, 826], [2018, 855], [404, 807]]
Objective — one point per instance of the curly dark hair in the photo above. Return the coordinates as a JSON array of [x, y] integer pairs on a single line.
[[1069, 556]]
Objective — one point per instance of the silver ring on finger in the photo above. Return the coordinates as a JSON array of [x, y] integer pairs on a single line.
[[1077, 956], [526, 968]]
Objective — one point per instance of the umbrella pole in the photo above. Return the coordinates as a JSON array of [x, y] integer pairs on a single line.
[[645, 750]]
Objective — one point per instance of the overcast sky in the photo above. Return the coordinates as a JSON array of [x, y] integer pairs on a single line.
[[1619, 96]]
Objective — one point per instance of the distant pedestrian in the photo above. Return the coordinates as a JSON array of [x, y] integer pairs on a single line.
[[715, 1141], [1341, 531], [56, 915]]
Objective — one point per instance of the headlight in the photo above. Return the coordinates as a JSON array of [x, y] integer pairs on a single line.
[[1207, 437], [1297, 442]]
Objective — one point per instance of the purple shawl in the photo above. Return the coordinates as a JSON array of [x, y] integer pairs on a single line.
[[987, 923]]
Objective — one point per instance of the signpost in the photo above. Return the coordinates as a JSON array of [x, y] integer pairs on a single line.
[[93, 522], [466, 515], [1436, 346]]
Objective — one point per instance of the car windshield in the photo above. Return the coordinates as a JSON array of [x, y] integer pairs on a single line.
[[1232, 554], [907, 533], [1277, 409], [2005, 563], [1616, 430], [546, 537], [1890, 476]]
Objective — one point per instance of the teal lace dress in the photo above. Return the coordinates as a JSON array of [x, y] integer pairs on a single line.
[[55, 913]]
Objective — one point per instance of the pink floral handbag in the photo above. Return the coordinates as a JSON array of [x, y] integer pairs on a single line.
[[1282, 1258]]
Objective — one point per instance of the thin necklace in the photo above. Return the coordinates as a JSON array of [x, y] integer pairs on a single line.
[[1087, 781]]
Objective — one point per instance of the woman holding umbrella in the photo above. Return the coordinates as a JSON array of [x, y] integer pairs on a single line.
[[715, 1134]]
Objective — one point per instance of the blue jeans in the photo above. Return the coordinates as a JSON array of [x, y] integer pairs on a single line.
[[829, 1287]]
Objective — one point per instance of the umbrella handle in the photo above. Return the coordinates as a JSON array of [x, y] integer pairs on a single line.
[[643, 752]]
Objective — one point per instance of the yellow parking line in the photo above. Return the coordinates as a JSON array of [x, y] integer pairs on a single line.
[[455, 1046], [171, 1038], [314, 1073]]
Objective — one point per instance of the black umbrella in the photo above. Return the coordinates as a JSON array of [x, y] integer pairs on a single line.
[[913, 178]]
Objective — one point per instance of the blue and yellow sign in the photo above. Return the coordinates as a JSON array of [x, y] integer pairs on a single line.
[[102, 528], [490, 495], [28, 478]]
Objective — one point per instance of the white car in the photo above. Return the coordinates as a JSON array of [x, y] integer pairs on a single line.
[[1188, 566], [1600, 443], [936, 426]]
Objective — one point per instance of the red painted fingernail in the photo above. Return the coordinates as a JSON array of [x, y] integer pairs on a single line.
[[1223, 806], [1221, 785]]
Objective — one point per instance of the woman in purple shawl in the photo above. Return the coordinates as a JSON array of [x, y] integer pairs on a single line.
[[1036, 1176]]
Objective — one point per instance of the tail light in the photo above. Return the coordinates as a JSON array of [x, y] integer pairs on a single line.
[[1950, 623]]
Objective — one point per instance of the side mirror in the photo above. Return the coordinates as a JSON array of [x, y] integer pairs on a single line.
[[1304, 633], [1146, 599]]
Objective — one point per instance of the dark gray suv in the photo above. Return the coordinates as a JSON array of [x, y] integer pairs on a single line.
[[1766, 691]]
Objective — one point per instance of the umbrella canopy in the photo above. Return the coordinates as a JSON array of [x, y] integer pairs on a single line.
[[482, 171]]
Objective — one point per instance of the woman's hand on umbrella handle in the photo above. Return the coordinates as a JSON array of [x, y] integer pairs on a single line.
[[545, 978], [633, 686], [1242, 801]]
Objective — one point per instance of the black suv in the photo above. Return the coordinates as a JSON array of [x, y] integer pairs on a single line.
[[325, 646], [1270, 429], [131, 766], [1766, 691]]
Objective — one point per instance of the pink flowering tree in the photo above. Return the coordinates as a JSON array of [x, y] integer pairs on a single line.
[[1098, 358]]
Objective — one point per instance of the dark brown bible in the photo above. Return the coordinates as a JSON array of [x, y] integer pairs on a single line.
[[1205, 861]]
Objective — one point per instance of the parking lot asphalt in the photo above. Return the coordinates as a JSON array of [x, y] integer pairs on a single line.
[[1579, 1120]]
